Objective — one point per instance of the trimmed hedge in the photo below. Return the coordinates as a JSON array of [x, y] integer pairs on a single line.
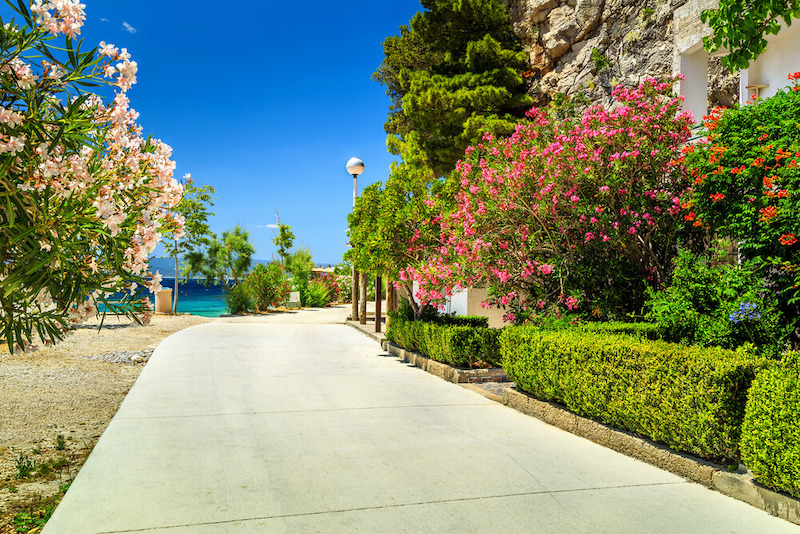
[[771, 429], [456, 341], [689, 398]]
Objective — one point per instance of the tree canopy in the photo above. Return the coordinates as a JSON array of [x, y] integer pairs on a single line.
[[454, 70]]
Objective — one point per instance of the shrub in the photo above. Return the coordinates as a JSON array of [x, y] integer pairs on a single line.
[[331, 282], [771, 429], [267, 286], [316, 295], [457, 341], [713, 304], [238, 300], [747, 183], [692, 399], [345, 282]]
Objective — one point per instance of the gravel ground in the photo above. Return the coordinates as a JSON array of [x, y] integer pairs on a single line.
[[72, 390]]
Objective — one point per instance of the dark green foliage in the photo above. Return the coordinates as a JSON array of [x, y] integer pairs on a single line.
[[267, 286], [689, 398], [716, 304], [238, 300], [455, 70], [457, 341], [771, 429]]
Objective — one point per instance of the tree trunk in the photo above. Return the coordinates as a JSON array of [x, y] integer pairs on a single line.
[[355, 295], [175, 295], [378, 296], [362, 315], [417, 308]]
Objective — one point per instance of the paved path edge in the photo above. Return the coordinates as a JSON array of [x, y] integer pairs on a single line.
[[740, 486]]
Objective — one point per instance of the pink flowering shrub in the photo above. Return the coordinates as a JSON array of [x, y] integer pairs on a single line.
[[576, 214], [85, 195], [331, 283]]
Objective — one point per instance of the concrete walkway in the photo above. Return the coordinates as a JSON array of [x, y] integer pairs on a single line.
[[262, 425]]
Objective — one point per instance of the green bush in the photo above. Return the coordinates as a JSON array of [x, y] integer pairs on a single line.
[[771, 429], [716, 304], [316, 295], [451, 341], [267, 286], [238, 300], [689, 398]]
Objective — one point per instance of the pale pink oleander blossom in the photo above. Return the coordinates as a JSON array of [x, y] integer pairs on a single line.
[[85, 195]]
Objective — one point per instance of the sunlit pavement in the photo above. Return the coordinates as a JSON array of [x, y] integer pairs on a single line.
[[298, 423]]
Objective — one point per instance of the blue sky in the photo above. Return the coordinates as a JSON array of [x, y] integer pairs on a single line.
[[266, 101]]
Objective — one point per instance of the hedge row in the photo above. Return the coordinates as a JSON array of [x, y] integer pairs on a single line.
[[456, 341], [771, 429], [689, 398]]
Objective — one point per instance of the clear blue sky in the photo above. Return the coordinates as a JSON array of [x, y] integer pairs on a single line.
[[266, 101]]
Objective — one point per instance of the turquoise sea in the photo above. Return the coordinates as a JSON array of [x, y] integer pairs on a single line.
[[198, 299]]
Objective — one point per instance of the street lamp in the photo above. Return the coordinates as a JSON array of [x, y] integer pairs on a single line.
[[355, 167]]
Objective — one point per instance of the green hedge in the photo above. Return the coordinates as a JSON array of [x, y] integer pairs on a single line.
[[771, 429], [689, 398], [448, 339]]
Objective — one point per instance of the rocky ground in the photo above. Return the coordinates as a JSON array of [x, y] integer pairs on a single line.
[[55, 403]]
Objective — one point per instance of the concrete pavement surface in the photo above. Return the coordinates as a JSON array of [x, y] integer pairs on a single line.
[[298, 423]]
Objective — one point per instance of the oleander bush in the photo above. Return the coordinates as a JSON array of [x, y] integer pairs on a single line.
[[771, 428], [267, 286], [316, 294], [689, 398], [454, 340]]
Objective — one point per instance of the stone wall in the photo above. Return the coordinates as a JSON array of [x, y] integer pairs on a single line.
[[589, 46]]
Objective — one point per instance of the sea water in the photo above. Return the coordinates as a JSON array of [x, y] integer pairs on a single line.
[[197, 298]]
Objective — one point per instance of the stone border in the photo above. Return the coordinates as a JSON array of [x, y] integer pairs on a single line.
[[740, 486], [442, 370]]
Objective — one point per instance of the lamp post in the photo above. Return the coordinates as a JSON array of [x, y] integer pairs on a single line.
[[355, 167]]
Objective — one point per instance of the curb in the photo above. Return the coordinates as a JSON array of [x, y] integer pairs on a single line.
[[740, 486], [442, 370]]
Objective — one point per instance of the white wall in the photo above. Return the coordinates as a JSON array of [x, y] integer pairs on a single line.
[[781, 58]]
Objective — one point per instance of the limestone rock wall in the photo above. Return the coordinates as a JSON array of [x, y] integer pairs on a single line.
[[589, 46]]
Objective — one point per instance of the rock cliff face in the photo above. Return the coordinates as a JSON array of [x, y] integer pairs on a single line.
[[589, 46]]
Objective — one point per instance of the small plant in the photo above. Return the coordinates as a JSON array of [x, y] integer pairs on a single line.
[[35, 517], [61, 442], [13, 489], [25, 466], [601, 61]]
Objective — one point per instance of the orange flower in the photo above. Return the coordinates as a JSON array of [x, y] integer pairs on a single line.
[[767, 181], [737, 170], [763, 136], [758, 162], [788, 239], [768, 214], [783, 193], [716, 197], [689, 216]]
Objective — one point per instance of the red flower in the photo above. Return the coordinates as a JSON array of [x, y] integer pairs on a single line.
[[716, 197], [788, 239], [768, 213], [737, 170]]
